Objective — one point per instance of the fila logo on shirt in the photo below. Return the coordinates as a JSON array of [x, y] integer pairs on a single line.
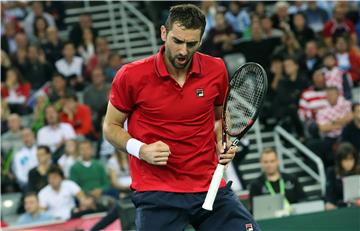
[[199, 92], [249, 227]]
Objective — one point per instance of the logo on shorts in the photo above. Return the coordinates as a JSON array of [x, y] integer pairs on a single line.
[[200, 92], [249, 227]]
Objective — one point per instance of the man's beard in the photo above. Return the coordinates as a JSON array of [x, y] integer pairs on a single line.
[[173, 59]]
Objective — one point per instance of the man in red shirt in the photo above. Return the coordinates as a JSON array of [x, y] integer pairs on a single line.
[[338, 26], [173, 102], [76, 114]]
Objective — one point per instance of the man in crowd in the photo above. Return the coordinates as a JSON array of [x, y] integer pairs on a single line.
[[351, 132], [58, 197], [33, 213], [55, 133], [25, 158], [88, 173], [272, 181]]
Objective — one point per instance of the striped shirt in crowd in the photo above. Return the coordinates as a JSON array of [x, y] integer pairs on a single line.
[[332, 113], [311, 101], [334, 77]]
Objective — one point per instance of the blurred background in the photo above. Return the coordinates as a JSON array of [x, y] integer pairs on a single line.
[[58, 60]]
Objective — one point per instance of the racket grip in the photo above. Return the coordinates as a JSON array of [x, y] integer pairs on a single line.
[[214, 187]]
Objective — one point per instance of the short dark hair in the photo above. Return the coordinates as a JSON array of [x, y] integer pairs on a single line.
[[30, 194], [44, 147], [188, 15], [70, 95], [56, 170]]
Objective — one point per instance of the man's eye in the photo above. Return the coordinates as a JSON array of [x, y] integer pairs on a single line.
[[177, 41]]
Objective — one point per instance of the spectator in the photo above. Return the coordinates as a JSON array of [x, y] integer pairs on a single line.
[[37, 11], [87, 46], [118, 168], [8, 43], [297, 7], [21, 41], [5, 63], [346, 164], [40, 26], [338, 26], [53, 46], [69, 157], [209, 8], [12, 140], [16, 92], [33, 213], [351, 132], [5, 112], [88, 205], [19, 61], [302, 32], [115, 62], [311, 60], [348, 59], [58, 197], [25, 159], [37, 70], [38, 175], [316, 16], [260, 9], [333, 74], [311, 101], [237, 18], [71, 66], [331, 120], [55, 133], [57, 10], [58, 88], [289, 47], [76, 114], [38, 121], [288, 95], [77, 32], [281, 19], [268, 30], [96, 94], [220, 38], [88, 173], [272, 181], [101, 57]]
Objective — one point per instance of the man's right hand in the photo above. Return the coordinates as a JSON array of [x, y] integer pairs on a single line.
[[156, 153]]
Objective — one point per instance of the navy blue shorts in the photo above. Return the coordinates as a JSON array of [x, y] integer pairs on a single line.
[[164, 211]]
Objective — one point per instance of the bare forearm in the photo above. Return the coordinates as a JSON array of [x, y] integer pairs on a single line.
[[116, 135]]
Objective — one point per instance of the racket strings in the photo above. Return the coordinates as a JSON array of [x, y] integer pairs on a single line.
[[244, 98]]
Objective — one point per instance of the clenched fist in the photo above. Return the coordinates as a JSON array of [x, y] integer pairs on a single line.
[[156, 153]]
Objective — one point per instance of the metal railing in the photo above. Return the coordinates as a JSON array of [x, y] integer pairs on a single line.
[[128, 31], [319, 176]]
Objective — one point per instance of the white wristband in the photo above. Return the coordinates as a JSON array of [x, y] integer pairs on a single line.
[[133, 147]]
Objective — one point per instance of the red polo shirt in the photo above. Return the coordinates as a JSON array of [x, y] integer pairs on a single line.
[[181, 117]]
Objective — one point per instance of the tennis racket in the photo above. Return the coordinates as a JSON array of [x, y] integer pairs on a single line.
[[243, 101]]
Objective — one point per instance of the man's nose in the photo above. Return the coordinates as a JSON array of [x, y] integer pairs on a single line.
[[183, 49]]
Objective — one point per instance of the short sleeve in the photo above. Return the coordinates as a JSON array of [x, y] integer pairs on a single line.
[[73, 187], [223, 85], [43, 198], [69, 132], [121, 91]]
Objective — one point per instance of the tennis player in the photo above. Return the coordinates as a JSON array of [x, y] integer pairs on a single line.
[[173, 102]]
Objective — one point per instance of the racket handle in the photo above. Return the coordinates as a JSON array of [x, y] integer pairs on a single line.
[[214, 187]]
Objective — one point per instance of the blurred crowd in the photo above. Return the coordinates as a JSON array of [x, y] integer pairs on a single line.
[[55, 86]]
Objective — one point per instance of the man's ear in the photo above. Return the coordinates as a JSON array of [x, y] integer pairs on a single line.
[[163, 33]]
